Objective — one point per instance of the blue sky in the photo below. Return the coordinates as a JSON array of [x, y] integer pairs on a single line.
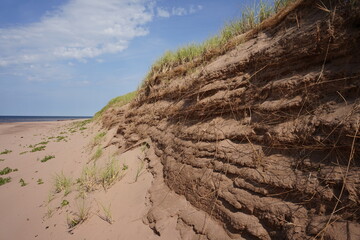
[[70, 57]]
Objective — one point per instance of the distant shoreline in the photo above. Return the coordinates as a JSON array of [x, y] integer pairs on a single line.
[[13, 119]]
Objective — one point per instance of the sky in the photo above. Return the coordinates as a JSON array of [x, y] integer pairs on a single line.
[[70, 57]]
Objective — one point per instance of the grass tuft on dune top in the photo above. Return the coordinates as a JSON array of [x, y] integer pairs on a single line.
[[251, 18], [117, 102]]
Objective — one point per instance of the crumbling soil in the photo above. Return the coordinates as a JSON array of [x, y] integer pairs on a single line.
[[263, 141]]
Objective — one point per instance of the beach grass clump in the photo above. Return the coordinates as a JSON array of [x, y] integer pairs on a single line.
[[97, 154], [61, 138], [110, 173], [47, 158], [98, 138], [62, 183], [37, 149], [4, 180], [22, 153], [83, 212], [22, 182], [89, 178], [5, 171], [107, 213], [116, 102], [6, 151], [198, 53], [64, 203], [1, 159], [40, 181]]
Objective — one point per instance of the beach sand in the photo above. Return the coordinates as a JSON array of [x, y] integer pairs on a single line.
[[36, 211]]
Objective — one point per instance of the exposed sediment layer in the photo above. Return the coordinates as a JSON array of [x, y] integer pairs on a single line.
[[264, 139]]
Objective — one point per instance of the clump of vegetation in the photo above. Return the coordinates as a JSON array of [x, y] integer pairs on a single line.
[[22, 182], [107, 213], [40, 181], [6, 170], [97, 154], [24, 152], [98, 138], [82, 214], [199, 53], [4, 180], [89, 178], [62, 183], [139, 170], [110, 173], [6, 151], [117, 102], [37, 149], [61, 138], [47, 158], [40, 143], [64, 203], [1, 159]]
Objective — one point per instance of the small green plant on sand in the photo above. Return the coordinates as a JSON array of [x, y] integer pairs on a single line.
[[4, 180], [1, 159], [125, 167], [89, 178], [24, 152], [62, 183], [110, 173], [22, 182], [97, 154], [64, 203], [107, 213], [40, 181], [98, 138], [6, 151], [47, 158], [82, 214], [37, 149], [139, 170], [6, 170], [61, 138]]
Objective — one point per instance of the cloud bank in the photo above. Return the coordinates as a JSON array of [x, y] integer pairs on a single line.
[[79, 29]]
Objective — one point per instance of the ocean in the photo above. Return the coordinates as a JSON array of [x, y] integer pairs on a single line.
[[7, 119]]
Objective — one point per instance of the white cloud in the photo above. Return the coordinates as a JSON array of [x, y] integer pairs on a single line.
[[162, 12], [177, 11], [80, 29]]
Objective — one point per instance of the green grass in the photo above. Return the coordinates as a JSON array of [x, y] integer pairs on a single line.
[[107, 213], [97, 154], [116, 102], [1, 159], [6, 151], [47, 158], [37, 149], [61, 138], [64, 203], [40, 181], [218, 44], [5, 171], [24, 152], [80, 216], [110, 173], [22, 182], [62, 183], [4, 180], [89, 178]]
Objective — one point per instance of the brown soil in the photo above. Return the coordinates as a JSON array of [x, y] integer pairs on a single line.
[[262, 142]]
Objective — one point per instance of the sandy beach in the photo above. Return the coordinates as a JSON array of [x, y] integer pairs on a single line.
[[33, 207]]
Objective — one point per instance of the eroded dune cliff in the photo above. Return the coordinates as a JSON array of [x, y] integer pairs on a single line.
[[263, 141]]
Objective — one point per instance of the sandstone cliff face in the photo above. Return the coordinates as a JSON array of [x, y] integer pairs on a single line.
[[263, 140]]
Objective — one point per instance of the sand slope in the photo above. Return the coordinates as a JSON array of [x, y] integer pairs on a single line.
[[35, 212]]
